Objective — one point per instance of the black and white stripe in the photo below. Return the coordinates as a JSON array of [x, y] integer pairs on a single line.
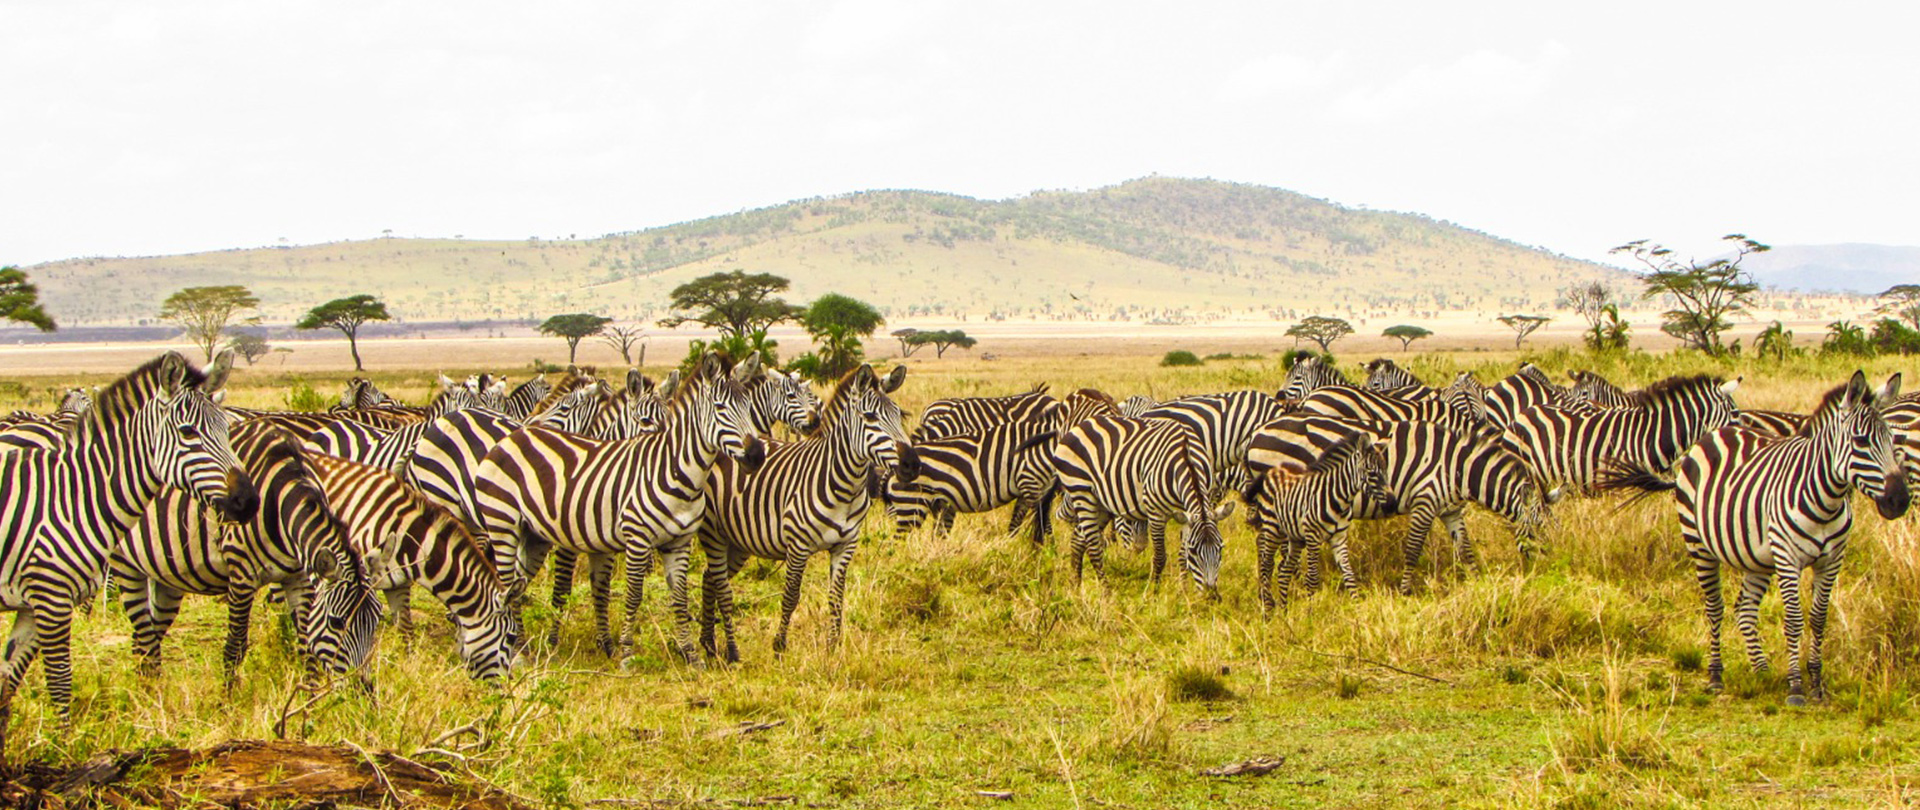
[[1572, 447], [1140, 471], [1299, 509]]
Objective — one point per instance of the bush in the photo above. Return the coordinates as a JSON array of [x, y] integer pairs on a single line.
[[302, 397], [1194, 683], [543, 367], [1893, 337], [1180, 357], [1292, 356]]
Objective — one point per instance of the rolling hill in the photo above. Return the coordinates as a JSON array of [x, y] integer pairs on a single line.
[[1155, 249]]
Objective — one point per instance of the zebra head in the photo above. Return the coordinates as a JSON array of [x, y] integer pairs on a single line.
[[186, 432], [1874, 461], [1201, 544], [634, 410], [1467, 399], [343, 619], [361, 393], [76, 402], [871, 421], [491, 392], [718, 402]]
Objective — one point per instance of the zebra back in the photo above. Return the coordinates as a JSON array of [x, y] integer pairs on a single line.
[[1526, 388], [1136, 405], [1383, 374], [972, 472], [1773, 423], [1224, 424], [948, 417], [1595, 390], [1569, 446]]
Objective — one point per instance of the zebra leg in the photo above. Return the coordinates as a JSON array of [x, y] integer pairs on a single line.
[[837, 588], [400, 604], [1089, 528], [1310, 580], [600, 577], [53, 636], [564, 560], [1746, 614], [1267, 543], [675, 559], [947, 515], [639, 565], [1020, 510], [1788, 570], [1349, 581], [1157, 534], [797, 554], [162, 605], [240, 593], [1706, 573], [1817, 620], [712, 579], [1295, 548], [1463, 556], [23, 645], [1419, 523]]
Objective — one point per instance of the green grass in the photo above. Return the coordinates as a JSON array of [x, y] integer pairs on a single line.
[[972, 662]]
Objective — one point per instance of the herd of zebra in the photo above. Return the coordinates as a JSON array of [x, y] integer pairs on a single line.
[[154, 486]]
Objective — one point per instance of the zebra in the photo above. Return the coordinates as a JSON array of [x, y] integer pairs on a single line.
[[1782, 423], [1033, 480], [519, 402], [294, 539], [948, 417], [31, 430], [1141, 471], [390, 449], [641, 497], [782, 397], [809, 496], [1384, 375], [1572, 447], [1523, 389], [968, 472], [1459, 406], [63, 509], [405, 539], [1306, 507], [1307, 375], [362, 393], [1594, 389], [1137, 404], [1430, 473], [1225, 424], [1773, 507]]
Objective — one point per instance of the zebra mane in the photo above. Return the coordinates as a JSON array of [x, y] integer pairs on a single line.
[[1829, 402], [124, 397], [843, 392], [523, 386], [1341, 452], [1096, 395], [1529, 371], [1670, 388], [567, 385]]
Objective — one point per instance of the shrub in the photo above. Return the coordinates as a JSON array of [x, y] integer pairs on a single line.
[[302, 397], [1197, 683], [1180, 357]]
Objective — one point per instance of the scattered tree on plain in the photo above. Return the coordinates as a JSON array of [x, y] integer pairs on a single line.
[[1775, 342], [837, 323], [20, 300], [573, 327], [347, 315], [204, 312], [1523, 325], [623, 339], [907, 347], [1407, 334], [1597, 302], [1902, 301], [941, 340], [249, 346], [1321, 330], [1704, 295], [735, 303]]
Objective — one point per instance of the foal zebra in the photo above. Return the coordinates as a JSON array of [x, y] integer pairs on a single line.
[[1306, 507], [643, 496], [1773, 507], [1572, 447], [969, 472], [61, 510], [808, 496], [1141, 471]]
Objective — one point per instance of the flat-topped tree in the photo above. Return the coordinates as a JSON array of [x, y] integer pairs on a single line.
[[204, 312], [941, 340], [20, 300], [907, 346], [347, 315], [837, 323], [1322, 330], [573, 327], [1523, 325], [1902, 301], [1407, 334], [1704, 294], [736, 303]]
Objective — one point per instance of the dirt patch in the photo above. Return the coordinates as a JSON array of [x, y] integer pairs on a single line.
[[252, 773]]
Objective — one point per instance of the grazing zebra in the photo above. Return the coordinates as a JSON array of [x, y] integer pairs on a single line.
[[1137, 404], [809, 496], [1140, 471], [294, 539], [641, 497], [1385, 375], [1430, 473], [1035, 479], [520, 402], [968, 472], [948, 417], [408, 539], [61, 510], [1773, 507], [1310, 374], [1305, 508], [1594, 389], [1780, 423], [1459, 406], [1525, 389], [1572, 447]]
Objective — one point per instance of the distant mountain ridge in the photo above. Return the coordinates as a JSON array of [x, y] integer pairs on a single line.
[[1149, 249], [1855, 268]]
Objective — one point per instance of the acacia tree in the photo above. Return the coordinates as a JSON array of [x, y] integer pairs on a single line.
[[623, 339], [204, 312], [1704, 294], [736, 303], [941, 340], [347, 315], [20, 300], [1321, 330], [1596, 302], [1902, 301], [1406, 334], [573, 327], [249, 346], [907, 347], [1523, 325], [837, 323]]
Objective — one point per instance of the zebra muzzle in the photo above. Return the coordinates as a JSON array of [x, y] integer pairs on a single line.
[[242, 499], [754, 455]]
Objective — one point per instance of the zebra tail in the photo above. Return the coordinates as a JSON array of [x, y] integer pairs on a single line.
[[1043, 515], [1627, 475]]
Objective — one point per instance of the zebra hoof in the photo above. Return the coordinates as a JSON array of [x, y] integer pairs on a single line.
[[1796, 701]]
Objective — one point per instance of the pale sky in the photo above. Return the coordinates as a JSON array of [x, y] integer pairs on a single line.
[[141, 128]]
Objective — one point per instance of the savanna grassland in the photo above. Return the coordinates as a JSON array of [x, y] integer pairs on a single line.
[[974, 663]]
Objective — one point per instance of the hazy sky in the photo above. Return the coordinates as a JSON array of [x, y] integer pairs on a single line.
[[144, 128]]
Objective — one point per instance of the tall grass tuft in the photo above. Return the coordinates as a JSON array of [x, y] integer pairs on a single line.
[[1606, 733]]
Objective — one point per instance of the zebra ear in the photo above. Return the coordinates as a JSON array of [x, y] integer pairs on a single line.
[[894, 379], [444, 380], [1224, 510], [1889, 392], [749, 371], [219, 396], [1552, 496], [218, 372], [638, 383], [669, 385], [1730, 386]]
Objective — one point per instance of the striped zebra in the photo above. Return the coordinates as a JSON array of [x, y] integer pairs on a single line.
[[1573, 446], [970, 472], [390, 449], [1903, 417], [1225, 425], [639, 497], [1137, 404], [1385, 375], [26, 429], [809, 496], [782, 397], [1460, 406], [1035, 479], [1140, 471], [520, 401], [62, 510], [949, 417], [1430, 474], [1525, 389], [293, 539], [362, 393], [407, 539], [1771, 507], [1595, 390], [1781, 423], [1310, 374], [1298, 510]]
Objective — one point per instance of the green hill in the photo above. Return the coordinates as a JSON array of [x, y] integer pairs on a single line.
[[1150, 249]]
